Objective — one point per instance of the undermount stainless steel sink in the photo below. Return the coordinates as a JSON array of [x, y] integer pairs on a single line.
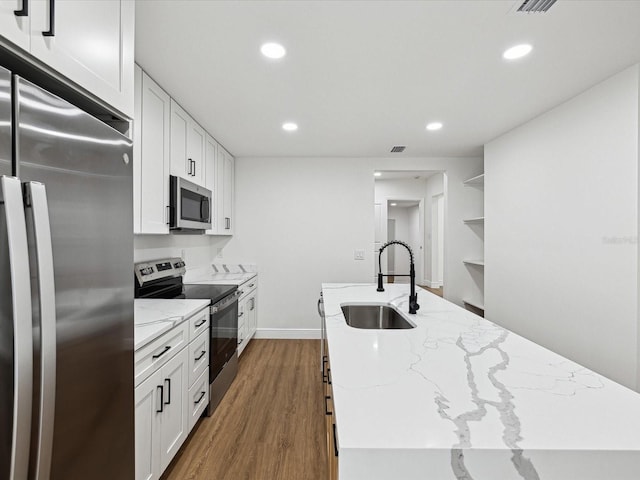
[[374, 317]]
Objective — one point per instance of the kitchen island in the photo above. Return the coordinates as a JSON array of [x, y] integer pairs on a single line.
[[458, 397]]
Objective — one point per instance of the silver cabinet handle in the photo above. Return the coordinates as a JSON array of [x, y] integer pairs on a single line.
[[36, 198], [11, 203]]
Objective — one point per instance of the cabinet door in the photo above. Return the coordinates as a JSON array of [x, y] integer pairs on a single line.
[[211, 177], [151, 189], [180, 167], [195, 152], [253, 315], [15, 28], [226, 185], [174, 426], [92, 44], [242, 323], [148, 411]]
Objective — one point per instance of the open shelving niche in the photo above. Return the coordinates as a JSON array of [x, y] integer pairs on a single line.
[[475, 305]]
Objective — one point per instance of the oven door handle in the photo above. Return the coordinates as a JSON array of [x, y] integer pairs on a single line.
[[228, 300]]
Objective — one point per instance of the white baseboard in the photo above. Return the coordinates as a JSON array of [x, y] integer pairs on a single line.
[[288, 333], [432, 284]]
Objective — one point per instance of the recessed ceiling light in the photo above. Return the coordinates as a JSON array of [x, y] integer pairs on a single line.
[[518, 51], [273, 50], [434, 126], [377, 174], [290, 126], [393, 204]]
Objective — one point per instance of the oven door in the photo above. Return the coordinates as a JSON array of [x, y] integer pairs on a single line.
[[190, 205], [224, 333]]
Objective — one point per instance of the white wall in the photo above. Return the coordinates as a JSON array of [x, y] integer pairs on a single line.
[[197, 250], [561, 204], [300, 219]]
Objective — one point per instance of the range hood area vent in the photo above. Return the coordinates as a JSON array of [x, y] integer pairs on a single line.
[[536, 6], [398, 148]]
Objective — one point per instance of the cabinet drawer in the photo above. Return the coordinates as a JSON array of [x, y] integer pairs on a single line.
[[198, 323], [198, 356], [198, 398], [247, 287], [150, 357]]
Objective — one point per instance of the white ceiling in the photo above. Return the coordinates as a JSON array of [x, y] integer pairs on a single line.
[[362, 76]]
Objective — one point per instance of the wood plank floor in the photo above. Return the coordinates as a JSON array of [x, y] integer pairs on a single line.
[[270, 424], [437, 291]]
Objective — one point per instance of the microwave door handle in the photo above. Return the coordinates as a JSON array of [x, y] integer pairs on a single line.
[[36, 199], [12, 205], [204, 209]]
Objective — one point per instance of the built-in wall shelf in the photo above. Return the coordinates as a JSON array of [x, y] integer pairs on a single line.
[[479, 263], [475, 264], [475, 181]]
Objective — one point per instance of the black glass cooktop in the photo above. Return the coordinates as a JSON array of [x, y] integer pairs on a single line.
[[204, 291], [174, 288]]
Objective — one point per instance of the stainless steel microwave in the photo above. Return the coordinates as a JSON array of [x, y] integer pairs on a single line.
[[190, 205]]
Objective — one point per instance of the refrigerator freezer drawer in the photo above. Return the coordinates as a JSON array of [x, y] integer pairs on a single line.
[[150, 357]]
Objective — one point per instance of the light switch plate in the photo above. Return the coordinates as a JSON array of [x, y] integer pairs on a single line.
[[358, 254]]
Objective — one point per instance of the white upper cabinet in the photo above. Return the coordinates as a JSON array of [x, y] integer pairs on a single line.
[[15, 22], [211, 179], [90, 42], [187, 146], [226, 172], [151, 156]]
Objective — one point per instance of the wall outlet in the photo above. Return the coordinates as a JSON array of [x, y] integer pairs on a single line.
[[358, 254]]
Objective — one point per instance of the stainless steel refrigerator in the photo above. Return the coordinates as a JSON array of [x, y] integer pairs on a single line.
[[66, 291]]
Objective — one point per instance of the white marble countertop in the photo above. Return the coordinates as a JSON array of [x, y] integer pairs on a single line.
[[222, 278], [153, 317], [459, 397]]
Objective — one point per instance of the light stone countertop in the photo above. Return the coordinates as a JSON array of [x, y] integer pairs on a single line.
[[461, 398], [153, 317], [222, 278]]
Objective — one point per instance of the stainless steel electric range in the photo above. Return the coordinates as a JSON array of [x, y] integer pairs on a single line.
[[164, 279]]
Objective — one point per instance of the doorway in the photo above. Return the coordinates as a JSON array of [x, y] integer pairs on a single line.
[[437, 242], [404, 210], [405, 222]]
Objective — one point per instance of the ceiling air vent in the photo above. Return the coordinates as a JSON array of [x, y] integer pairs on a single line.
[[536, 6], [398, 149]]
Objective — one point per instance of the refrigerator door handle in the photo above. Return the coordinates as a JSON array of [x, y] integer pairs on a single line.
[[11, 200], [36, 199]]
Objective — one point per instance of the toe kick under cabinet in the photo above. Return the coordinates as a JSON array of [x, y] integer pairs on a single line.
[[172, 380]]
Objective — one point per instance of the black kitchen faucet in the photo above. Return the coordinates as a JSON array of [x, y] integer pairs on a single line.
[[413, 296]]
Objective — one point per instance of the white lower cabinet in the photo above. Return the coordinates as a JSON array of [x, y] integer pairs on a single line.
[[198, 398], [162, 423], [174, 425], [147, 413], [171, 394], [247, 313]]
